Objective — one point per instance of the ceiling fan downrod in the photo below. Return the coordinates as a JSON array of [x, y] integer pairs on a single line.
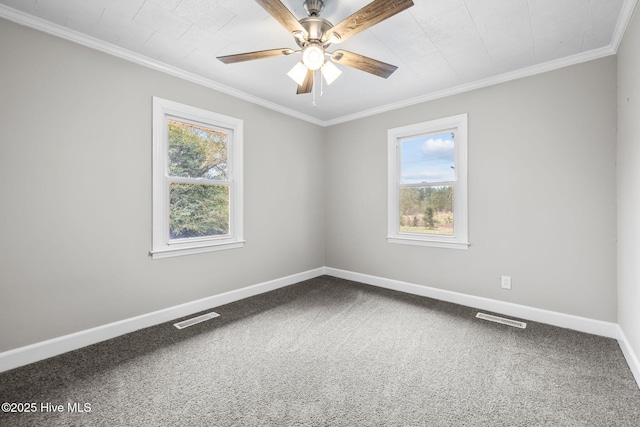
[[314, 7]]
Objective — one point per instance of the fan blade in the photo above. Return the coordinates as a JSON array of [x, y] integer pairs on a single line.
[[250, 56], [280, 12], [370, 15], [307, 85], [363, 63]]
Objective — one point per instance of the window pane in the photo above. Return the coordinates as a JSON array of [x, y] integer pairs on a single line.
[[197, 210], [197, 152], [427, 210], [428, 158]]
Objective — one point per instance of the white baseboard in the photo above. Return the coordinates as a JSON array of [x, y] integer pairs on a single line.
[[32, 353], [582, 324], [630, 355], [53, 347]]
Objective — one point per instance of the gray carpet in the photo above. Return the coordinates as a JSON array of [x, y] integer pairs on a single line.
[[330, 352]]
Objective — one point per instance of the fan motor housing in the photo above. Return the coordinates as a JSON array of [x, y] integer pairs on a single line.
[[315, 27]]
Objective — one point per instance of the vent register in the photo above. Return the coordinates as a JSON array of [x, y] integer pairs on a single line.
[[483, 316], [195, 320], [502, 320]]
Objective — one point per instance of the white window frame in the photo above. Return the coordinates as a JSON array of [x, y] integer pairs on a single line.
[[460, 240], [163, 246]]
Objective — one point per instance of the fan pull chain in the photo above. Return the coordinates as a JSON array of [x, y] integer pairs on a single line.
[[313, 91]]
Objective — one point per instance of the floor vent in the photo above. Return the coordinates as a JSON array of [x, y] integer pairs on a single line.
[[191, 322], [509, 322]]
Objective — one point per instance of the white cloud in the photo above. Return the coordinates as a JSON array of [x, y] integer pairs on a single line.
[[439, 147]]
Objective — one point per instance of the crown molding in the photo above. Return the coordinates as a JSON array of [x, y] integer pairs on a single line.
[[628, 9], [39, 24], [479, 84], [627, 12]]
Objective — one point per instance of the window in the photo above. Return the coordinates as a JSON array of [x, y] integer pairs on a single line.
[[197, 180], [428, 183]]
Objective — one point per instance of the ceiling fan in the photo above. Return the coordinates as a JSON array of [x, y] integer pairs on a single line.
[[314, 35]]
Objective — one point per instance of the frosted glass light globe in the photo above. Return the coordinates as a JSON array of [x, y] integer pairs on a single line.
[[313, 57]]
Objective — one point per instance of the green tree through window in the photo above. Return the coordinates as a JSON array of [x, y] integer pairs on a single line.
[[197, 180], [198, 208], [427, 183]]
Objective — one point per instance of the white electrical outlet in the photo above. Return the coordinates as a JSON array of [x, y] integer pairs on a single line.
[[505, 282]]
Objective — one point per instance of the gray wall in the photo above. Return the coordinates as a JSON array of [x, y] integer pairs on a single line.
[[75, 180], [542, 184], [629, 185]]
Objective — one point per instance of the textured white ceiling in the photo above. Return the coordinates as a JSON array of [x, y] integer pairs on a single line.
[[440, 46]]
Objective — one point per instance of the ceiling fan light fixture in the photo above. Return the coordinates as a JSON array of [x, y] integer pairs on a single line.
[[314, 34], [298, 73], [313, 56], [330, 72]]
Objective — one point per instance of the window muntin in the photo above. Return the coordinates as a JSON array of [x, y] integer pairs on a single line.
[[197, 203], [427, 183]]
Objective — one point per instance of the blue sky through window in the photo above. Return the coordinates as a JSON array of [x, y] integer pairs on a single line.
[[429, 158]]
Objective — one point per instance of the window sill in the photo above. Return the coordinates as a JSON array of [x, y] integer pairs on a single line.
[[447, 244], [168, 251]]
